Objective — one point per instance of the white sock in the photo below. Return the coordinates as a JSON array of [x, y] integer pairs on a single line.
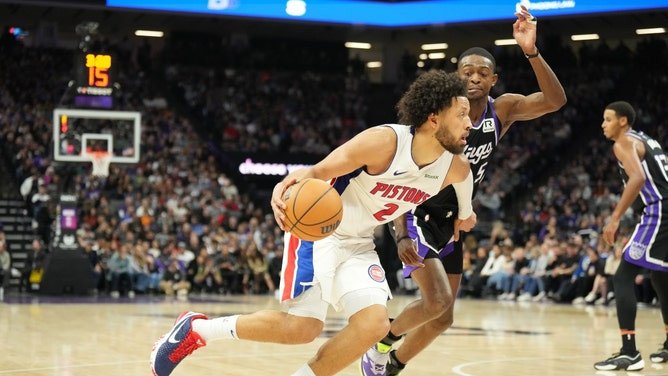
[[220, 328], [304, 371]]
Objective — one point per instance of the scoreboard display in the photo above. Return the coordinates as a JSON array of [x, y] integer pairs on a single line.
[[95, 73]]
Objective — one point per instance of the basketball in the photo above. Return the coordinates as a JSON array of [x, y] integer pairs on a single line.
[[313, 209]]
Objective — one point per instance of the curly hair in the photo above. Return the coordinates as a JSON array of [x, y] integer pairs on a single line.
[[623, 109], [430, 93]]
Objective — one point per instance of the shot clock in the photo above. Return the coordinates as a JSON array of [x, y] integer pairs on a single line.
[[95, 72]]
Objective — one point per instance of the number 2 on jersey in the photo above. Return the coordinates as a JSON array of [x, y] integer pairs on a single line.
[[389, 210]]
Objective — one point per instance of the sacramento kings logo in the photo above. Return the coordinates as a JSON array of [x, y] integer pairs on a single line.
[[637, 250]]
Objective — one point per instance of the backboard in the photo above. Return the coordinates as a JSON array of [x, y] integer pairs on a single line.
[[76, 131]]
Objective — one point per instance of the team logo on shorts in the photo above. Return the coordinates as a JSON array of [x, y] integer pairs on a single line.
[[637, 250], [376, 273]]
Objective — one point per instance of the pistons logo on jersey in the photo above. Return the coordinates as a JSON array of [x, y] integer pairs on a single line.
[[376, 273]]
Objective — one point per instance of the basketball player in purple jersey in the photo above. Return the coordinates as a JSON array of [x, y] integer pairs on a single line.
[[381, 173], [644, 169], [426, 234]]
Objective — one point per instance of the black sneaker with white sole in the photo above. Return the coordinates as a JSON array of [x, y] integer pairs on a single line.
[[629, 362], [660, 356]]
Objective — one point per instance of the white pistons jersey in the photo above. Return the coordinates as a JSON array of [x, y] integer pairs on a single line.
[[346, 261], [372, 200]]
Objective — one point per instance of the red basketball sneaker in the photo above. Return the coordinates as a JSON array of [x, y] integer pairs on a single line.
[[178, 343]]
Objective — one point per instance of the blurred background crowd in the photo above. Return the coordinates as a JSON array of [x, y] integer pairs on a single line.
[[184, 220]]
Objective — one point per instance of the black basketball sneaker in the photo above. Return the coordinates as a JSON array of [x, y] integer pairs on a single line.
[[392, 369], [661, 356], [629, 362]]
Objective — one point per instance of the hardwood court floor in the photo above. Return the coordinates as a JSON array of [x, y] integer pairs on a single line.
[[102, 337]]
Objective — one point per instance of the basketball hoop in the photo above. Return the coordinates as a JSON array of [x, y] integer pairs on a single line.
[[101, 161]]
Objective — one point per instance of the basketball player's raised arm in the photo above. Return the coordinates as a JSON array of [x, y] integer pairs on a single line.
[[373, 148], [551, 97], [626, 151], [461, 178]]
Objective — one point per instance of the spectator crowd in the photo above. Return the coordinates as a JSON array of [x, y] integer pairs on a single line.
[[177, 223]]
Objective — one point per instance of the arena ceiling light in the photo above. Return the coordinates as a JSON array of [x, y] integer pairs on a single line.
[[434, 46], [581, 37], [505, 42], [296, 8], [437, 55], [374, 64], [358, 45], [423, 56], [149, 33], [653, 30]]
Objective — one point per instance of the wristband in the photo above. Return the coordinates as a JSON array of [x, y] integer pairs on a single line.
[[531, 56], [403, 237]]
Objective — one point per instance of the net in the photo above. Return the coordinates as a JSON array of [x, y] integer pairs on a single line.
[[101, 161]]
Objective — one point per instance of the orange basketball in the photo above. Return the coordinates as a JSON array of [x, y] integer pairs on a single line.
[[314, 209]]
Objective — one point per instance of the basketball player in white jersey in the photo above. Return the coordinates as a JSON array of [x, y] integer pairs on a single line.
[[380, 173]]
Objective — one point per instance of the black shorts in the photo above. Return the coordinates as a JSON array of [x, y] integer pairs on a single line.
[[454, 261], [426, 236], [648, 245]]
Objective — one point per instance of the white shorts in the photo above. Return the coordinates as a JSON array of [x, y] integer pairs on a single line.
[[310, 303], [337, 267]]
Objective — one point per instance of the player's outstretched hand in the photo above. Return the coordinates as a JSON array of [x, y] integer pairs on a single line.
[[465, 225], [277, 203], [407, 251], [524, 30]]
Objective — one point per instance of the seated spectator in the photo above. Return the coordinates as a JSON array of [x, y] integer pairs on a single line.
[[229, 270], [194, 266], [141, 269], [500, 267], [560, 270], [256, 271], [94, 260], [591, 266], [208, 277], [472, 281], [275, 262], [174, 279], [611, 265], [34, 261], [564, 273], [120, 272], [518, 274], [534, 284]]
